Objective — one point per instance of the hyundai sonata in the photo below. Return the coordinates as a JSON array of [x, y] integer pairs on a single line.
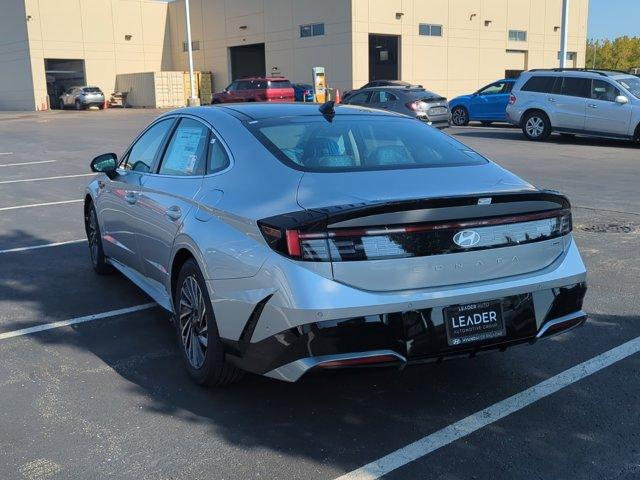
[[290, 238]]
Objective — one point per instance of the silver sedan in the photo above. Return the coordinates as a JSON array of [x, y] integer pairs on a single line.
[[290, 238]]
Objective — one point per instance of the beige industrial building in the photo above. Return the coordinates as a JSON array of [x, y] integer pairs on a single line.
[[449, 46]]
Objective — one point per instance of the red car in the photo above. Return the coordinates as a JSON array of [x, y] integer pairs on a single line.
[[267, 89]]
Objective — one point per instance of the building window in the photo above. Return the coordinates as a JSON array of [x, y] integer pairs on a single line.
[[312, 30], [517, 35], [571, 56], [195, 45], [430, 30]]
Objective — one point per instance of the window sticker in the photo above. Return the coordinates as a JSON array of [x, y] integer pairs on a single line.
[[184, 151]]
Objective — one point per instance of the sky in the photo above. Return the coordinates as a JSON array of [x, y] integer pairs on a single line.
[[613, 18]]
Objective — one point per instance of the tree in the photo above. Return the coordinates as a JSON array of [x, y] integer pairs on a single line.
[[623, 53]]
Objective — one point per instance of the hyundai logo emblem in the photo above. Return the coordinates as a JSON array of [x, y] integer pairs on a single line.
[[466, 238]]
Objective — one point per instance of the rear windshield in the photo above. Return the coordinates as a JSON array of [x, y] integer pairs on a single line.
[[358, 142], [632, 84], [280, 84], [425, 95], [91, 90]]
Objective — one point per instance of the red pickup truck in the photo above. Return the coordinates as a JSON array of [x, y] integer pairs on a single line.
[[267, 89]]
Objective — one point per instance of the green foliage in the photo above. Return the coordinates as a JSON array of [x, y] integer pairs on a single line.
[[623, 53]]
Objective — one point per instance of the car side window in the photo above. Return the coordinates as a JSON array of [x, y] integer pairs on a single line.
[[383, 97], [361, 97], [232, 87], [493, 89], [218, 159], [508, 87], [143, 152], [186, 150], [575, 87], [601, 90], [540, 84]]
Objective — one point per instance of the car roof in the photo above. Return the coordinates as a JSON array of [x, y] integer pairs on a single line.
[[264, 78], [260, 111], [581, 72]]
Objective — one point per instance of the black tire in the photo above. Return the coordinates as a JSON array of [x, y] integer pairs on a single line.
[[78, 105], [200, 346], [92, 227], [536, 125], [101, 106], [460, 116], [61, 105], [487, 124]]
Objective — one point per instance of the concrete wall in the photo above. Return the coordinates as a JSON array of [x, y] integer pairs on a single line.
[[94, 30], [276, 23], [474, 49], [16, 92]]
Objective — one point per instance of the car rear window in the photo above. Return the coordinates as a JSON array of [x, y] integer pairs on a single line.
[[91, 90], [539, 84], [359, 142], [425, 96], [280, 84]]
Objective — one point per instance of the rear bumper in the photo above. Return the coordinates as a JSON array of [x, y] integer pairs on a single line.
[[439, 122], [401, 338]]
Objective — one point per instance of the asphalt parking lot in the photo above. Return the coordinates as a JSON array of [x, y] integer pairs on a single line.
[[109, 398]]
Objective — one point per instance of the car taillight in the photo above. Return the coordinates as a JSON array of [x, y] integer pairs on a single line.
[[512, 99], [417, 105], [414, 240]]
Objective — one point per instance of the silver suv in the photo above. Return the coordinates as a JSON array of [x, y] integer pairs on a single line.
[[576, 101]]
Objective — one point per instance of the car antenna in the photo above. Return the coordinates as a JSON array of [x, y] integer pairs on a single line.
[[327, 109]]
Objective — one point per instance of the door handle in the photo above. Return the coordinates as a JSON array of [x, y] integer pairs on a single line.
[[593, 105], [551, 99], [173, 212], [130, 198]]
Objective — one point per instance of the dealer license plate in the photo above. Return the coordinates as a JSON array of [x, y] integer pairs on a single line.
[[474, 322]]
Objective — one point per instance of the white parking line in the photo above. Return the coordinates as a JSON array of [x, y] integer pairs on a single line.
[[73, 321], [6, 153], [492, 414], [27, 163], [62, 202], [46, 245], [47, 178]]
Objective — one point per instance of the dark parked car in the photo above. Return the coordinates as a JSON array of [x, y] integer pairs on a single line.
[[303, 92], [82, 97], [412, 101], [487, 105], [380, 83], [266, 89]]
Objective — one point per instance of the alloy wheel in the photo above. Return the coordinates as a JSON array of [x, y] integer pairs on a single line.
[[534, 127], [92, 234], [459, 117], [192, 320]]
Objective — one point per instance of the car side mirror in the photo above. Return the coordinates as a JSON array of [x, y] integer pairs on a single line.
[[621, 100], [106, 163]]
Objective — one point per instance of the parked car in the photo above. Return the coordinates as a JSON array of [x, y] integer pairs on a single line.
[[82, 97], [414, 102], [572, 101], [380, 83], [268, 89], [286, 238], [303, 92], [486, 105]]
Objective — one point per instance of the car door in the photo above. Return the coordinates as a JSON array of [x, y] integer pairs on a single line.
[[117, 202], [361, 98], [490, 102], [603, 114], [568, 102], [384, 100], [167, 196]]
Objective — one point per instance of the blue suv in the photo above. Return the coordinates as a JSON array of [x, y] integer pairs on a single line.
[[487, 105]]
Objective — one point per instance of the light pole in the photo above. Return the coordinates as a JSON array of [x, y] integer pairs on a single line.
[[193, 100], [564, 33]]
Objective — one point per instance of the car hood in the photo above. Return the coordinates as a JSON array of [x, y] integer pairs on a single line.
[[318, 190], [460, 99]]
